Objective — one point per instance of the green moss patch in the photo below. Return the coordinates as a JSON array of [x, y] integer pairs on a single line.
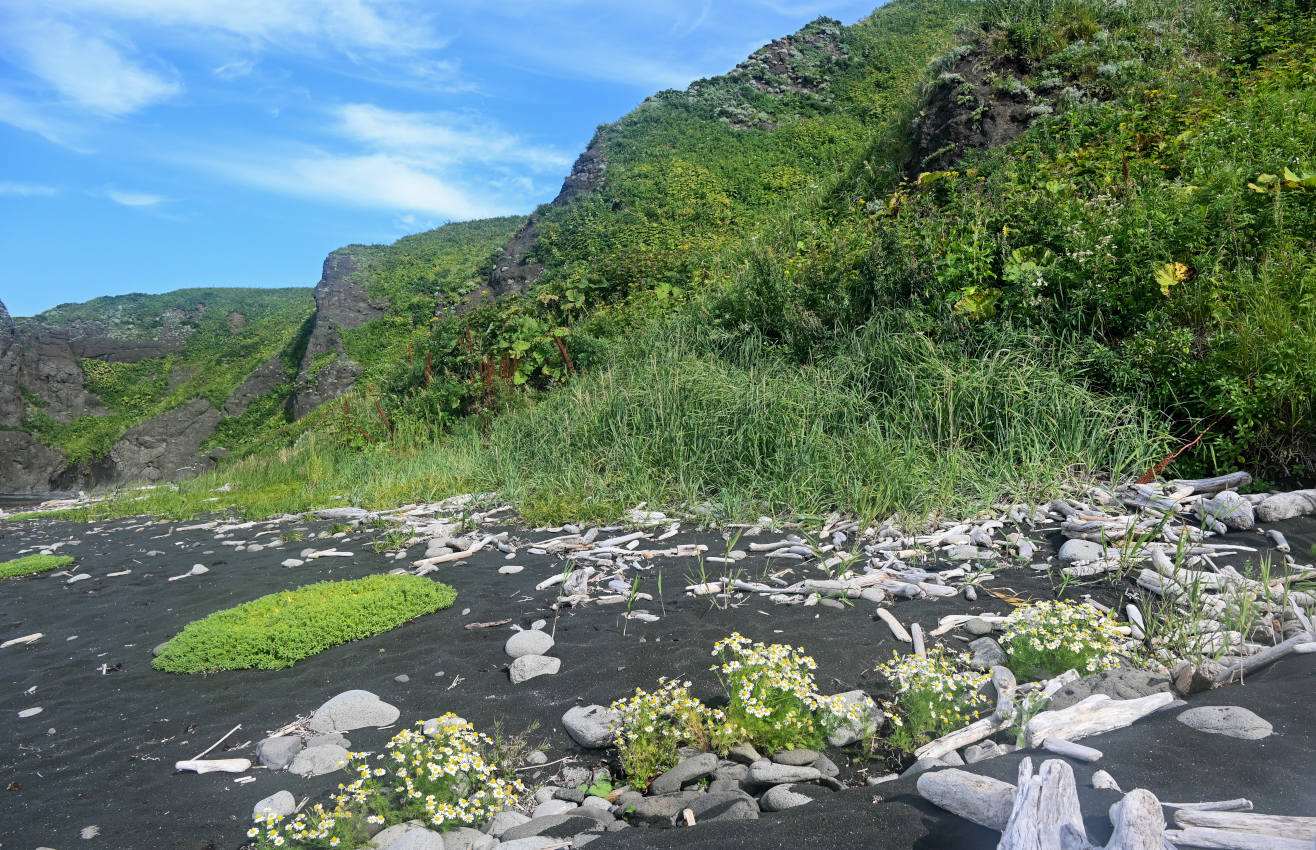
[[33, 564], [280, 629]]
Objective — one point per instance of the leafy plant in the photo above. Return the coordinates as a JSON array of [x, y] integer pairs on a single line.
[[29, 564], [935, 694], [280, 629], [1047, 638]]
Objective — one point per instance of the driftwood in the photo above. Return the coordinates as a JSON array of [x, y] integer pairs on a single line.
[[1261, 659], [916, 635], [1139, 824], [1241, 804], [1092, 716], [1228, 839], [25, 639], [1232, 481], [451, 556], [1061, 747], [892, 623], [1046, 814], [1285, 826], [214, 765], [980, 799], [999, 719]]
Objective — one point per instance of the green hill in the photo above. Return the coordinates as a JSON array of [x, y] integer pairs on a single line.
[[952, 254]]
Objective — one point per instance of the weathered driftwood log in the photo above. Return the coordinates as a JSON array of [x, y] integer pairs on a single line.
[[1092, 716], [1261, 659], [1046, 814], [1139, 824], [452, 556], [894, 625], [1061, 747], [916, 635], [25, 639], [1232, 481], [1004, 682], [1228, 839], [1285, 826], [1239, 804], [980, 799], [214, 765]]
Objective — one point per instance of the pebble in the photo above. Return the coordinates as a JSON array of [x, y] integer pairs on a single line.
[[536, 757], [778, 798], [31, 712], [797, 758], [978, 627], [526, 667], [769, 773], [510, 570], [293, 562], [1231, 720], [402, 678], [277, 753]]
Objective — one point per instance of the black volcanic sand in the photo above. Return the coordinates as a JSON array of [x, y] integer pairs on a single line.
[[102, 751]]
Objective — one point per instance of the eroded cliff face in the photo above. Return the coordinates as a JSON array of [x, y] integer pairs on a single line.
[[341, 304]]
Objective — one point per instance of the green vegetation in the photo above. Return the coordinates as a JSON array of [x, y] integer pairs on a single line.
[[445, 775], [29, 564], [225, 333], [935, 694], [765, 304], [280, 629], [1047, 638]]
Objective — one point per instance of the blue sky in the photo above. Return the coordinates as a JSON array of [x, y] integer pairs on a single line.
[[148, 145]]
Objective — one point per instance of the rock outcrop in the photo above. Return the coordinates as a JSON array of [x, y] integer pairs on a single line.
[[168, 446], [341, 304]]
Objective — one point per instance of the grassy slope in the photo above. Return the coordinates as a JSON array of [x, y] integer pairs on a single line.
[[213, 362], [879, 345]]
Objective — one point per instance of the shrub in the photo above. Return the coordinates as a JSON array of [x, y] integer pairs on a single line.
[[30, 564], [1049, 638], [934, 696], [280, 629], [774, 703], [446, 774], [654, 726]]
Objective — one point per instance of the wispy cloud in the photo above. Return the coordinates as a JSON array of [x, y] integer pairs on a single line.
[[91, 71], [376, 181], [295, 25], [440, 139], [133, 199], [26, 190]]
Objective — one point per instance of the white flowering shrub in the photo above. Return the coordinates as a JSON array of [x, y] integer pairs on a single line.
[[935, 694], [444, 777], [654, 726], [1048, 638]]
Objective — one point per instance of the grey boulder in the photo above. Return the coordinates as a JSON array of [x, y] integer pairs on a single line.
[[849, 730], [1282, 506], [527, 667], [1074, 551], [352, 710], [277, 753], [278, 803], [465, 838], [1232, 720], [779, 798], [591, 726], [769, 773], [528, 642], [1230, 508], [1119, 683], [985, 653], [317, 761], [686, 771]]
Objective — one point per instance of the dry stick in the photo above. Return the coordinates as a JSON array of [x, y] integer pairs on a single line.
[[217, 743], [1228, 839], [1285, 826], [1242, 804], [892, 623]]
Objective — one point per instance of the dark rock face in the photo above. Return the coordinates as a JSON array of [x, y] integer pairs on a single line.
[[257, 384], [168, 446], [11, 400], [970, 106], [514, 271], [341, 303], [26, 466]]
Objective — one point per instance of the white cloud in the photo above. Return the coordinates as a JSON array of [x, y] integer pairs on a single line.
[[32, 118], [26, 190], [88, 70], [133, 199], [235, 69], [297, 25], [378, 181], [442, 138]]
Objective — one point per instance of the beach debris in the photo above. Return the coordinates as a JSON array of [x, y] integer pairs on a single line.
[[197, 570], [22, 641], [31, 712], [214, 765], [1092, 716]]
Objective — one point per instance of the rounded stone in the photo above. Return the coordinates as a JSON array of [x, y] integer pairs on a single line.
[[591, 726], [778, 798], [350, 710], [278, 803], [278, 753], [527, 667], [1232, 720], [529, 642], [317, 761]]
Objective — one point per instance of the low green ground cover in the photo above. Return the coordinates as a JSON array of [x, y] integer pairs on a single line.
[[29, 564], [280, 629]]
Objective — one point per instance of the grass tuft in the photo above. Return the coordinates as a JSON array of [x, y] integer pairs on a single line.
[[30, 564], [280, 629]]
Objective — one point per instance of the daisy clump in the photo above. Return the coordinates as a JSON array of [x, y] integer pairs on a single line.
[[442, 773], [935, 694], [1048, 638], [774, 703], [655, 725]]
